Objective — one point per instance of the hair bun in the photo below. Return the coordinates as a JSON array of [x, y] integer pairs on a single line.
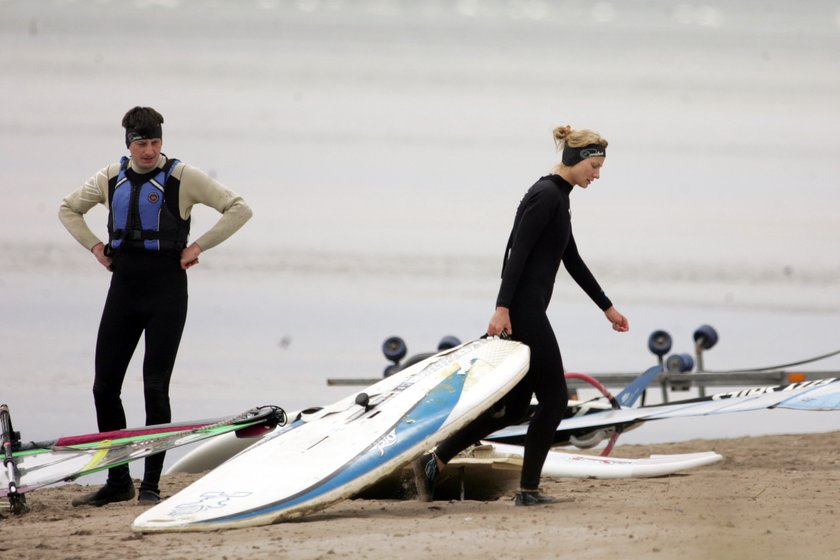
[[560, 135]]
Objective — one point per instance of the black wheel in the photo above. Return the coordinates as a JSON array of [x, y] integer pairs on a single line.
[[679, 363], [417, 358], [362, 399], [394, 368], [705, 337], [659, 343], [394, 349], [448, 342], [591, 439]]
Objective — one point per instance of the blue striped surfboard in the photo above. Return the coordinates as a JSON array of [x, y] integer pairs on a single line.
[[338, 451]]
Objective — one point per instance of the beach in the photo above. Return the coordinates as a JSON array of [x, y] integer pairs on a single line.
[[383, 146], [771, 497]]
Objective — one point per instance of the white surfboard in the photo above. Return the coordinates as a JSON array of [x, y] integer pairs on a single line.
[[336, 452], [491, 471], [212, 453], [562, 465]]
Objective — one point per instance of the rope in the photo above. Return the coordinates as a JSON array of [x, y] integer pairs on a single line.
[[780, 366], [597, 385]]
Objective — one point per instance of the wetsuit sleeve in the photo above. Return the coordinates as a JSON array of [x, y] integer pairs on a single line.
[[583, 276], [198, 188], [537, 211], [76, 204]]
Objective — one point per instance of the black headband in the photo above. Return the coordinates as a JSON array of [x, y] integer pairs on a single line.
[[573, 156], [134, 134]]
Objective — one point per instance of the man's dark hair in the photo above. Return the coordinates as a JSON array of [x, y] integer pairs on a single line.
[[142, 118]]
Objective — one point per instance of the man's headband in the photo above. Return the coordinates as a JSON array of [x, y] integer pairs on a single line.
[[134, 134], [573, 156]]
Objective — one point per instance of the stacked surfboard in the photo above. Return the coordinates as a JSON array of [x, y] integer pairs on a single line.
[[335, 452]]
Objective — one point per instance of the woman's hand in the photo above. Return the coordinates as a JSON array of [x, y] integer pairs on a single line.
[[619, 321], [500, 323]]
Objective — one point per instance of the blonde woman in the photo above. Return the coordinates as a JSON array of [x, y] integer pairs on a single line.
[[540, 240]]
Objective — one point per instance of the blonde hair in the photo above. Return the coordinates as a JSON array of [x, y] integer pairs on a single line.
[[565, 136]]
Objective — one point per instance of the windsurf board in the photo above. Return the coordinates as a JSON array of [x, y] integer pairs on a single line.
[[338, 451], [819, 394], [39, 464], [491, 470]]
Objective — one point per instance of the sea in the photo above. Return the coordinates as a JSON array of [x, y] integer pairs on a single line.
[[384, 145]]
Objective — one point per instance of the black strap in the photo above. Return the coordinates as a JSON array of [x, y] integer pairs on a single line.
[[140, 235]]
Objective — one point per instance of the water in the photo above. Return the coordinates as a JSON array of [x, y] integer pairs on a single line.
[[384, 146]]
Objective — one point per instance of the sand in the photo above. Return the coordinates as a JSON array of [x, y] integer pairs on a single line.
[[771, 497]]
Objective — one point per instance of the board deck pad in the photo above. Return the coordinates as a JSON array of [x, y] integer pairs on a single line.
[[336, 452]]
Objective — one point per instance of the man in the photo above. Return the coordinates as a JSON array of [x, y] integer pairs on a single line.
[[149, 198]]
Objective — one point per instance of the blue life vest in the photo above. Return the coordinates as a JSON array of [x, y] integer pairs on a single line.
[[144, 213]]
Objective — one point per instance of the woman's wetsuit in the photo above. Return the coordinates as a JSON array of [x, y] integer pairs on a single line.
[[540, 239]]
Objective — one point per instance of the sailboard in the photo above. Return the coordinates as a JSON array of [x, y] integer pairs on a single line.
[[31, 465], [813, 395], [213, 453], [561, 464], [339, 450], [489, 471]]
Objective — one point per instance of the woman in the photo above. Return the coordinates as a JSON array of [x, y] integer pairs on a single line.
[[149, 198], [541, 238]]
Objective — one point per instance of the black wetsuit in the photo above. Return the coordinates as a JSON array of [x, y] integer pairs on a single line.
[[148, 293], [147, 296], [541, 238]]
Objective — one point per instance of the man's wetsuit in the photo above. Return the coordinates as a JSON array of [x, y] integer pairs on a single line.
[[147, 295], [540, 239]]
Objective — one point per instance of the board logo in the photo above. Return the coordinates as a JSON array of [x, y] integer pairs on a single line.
[[755, 391], [208, 500], [592, 152], [387, 441]]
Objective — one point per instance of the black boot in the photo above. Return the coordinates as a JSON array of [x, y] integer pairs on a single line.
[[106, 495], [533, 498], [148, 497]]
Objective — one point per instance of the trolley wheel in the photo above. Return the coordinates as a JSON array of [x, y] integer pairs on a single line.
[[705, 337], [659, 343], [448, 342], [394, 349], [679, 363]]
